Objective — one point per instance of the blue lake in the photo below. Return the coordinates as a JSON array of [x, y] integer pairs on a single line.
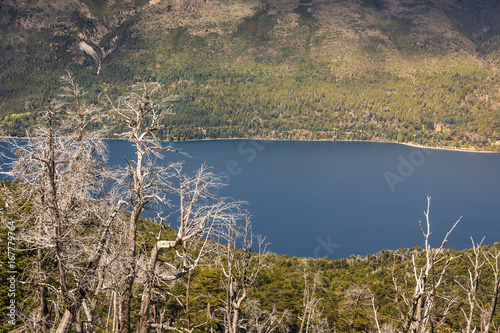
[[334, 199]]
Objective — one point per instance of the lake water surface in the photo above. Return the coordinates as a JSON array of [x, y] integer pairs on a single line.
[[334, 199]]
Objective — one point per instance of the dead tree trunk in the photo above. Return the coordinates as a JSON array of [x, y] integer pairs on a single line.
[[423, 300], [143, 177], [239, 267], [199, 212], [489, 313]]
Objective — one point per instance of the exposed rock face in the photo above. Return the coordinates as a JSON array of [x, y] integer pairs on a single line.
[[91, 52]]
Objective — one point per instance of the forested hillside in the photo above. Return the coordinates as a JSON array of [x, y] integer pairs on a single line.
[[372, 293], [411, 71], [78, 255]]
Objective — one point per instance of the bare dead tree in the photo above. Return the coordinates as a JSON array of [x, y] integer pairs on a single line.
[[199, 212], [79, 113], [375, 311], [263, 321], [239, 267], [312, 319], [149, 183], [472, 285], [62, 173], [421, 301], [488, 311], [146, 182]]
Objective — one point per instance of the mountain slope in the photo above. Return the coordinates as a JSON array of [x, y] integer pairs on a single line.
[[415, 71]]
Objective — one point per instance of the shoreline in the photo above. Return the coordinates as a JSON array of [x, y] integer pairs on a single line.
[[415, 145], [465, 150]]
